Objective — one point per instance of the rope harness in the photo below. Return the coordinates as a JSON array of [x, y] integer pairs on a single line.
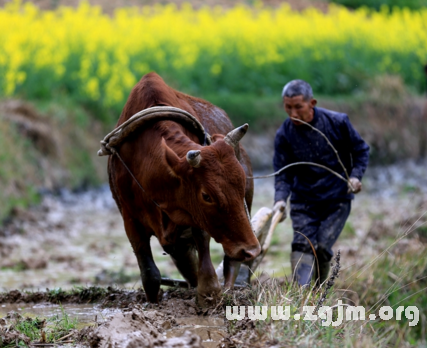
[[148, 116], [312, 163], [168, 113]]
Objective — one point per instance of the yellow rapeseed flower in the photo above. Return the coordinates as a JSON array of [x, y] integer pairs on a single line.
[[85, 52]]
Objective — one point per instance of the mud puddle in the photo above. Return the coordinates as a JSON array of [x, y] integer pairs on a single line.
[[84, 313], [140, 326], [210, 330], [118, 319]]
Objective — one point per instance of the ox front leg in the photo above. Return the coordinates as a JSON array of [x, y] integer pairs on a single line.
[[150, 274], [140, 242], [208, 287]]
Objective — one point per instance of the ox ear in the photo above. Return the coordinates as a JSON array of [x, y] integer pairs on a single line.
[[172, 159], [216, 137]]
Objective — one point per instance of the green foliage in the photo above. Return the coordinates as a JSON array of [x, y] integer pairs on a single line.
[[62, 156], [262, 111], [47, 331], [96, 59], [18, 170], [348, 230], [30, 328], [399, 281], [377, 4], [59, 326], [302, 332]]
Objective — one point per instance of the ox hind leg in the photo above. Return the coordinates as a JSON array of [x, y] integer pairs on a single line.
[[183, 254], [208, 287], [140, 242]]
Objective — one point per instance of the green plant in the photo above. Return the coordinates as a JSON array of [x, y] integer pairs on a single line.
[[59, 325], [45, 330], [378, 4], [221, 52], [348, 230], [30, 327]]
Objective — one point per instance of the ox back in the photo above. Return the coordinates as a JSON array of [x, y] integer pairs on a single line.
[[189, 193]]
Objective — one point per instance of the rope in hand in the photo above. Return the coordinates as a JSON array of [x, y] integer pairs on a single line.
[[312, 163]]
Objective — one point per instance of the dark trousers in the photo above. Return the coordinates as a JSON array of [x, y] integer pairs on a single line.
[[321, 223]]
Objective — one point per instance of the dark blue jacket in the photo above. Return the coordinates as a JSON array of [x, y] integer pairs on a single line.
[[303, 144]]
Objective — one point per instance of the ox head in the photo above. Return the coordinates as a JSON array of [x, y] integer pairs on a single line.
[[212, 183]]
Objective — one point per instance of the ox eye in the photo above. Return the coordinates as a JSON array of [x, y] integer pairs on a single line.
[[206, 197]]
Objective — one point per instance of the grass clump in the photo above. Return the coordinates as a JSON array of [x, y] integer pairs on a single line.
[[397, 279], [379, 288], [16, 330]]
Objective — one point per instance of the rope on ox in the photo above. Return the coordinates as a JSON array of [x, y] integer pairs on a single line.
[[166, 113], [265, 236], [145, 117], [162, 113], [312, 163], [151, 115]]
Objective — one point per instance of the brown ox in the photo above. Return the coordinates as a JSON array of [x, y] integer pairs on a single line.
[[184, 188]]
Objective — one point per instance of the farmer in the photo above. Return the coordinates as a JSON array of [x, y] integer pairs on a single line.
[[320, 201]]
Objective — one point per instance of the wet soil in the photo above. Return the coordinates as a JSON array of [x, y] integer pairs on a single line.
[[119, 318], [71, 253], [76, 239], [86, 313], [136, 326]]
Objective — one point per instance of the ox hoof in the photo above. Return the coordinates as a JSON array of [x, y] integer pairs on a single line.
[[207, 301], [208, 297]]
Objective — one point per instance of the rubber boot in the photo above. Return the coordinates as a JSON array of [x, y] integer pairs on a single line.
[[302, 267], [244, 276], [324, 268]]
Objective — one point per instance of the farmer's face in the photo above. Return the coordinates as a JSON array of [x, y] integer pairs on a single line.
[[297, 107]]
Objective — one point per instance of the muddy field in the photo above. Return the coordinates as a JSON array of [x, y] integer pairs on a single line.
[[71, 255]]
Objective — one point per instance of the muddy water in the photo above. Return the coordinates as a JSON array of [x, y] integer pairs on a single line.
[[210, 330], [84, 313]]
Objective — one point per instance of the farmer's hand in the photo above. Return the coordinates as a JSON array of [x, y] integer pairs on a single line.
[[280, 206], [356, 185]]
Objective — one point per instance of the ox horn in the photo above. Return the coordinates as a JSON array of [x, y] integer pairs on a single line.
[[194, 158], [233, 137]]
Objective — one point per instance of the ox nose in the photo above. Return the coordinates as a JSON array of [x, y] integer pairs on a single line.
[[248, 254]]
